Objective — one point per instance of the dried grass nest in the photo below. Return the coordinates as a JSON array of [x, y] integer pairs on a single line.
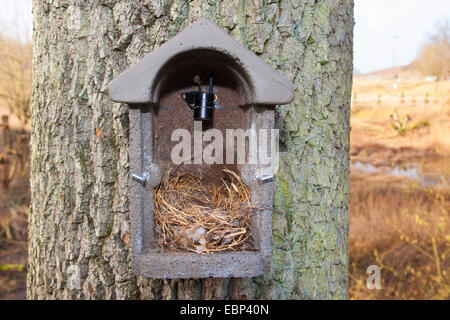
[[194, 215]]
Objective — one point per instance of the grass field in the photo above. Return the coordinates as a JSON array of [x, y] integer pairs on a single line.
[[398, 219], [428, 116], [14, 203]]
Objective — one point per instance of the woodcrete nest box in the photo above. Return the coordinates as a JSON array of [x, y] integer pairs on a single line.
[[201, 80]]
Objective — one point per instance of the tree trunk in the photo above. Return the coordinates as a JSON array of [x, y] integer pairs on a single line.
[[80, 165]]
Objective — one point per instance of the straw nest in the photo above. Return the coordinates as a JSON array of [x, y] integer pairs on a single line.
[[194, 215]]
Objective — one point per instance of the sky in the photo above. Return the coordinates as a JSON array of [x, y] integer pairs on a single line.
[[387, 32], [377, 22], [16, 18]]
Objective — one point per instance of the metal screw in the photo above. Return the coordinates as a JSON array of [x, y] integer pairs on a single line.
[[142, 180], [262, 178], [197, 79]]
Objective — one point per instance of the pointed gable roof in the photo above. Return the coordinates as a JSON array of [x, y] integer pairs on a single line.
[[137, 83]]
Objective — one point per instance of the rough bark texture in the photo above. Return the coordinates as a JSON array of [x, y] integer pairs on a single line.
[[80, 164]]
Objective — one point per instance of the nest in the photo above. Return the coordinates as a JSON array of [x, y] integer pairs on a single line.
[[196, 215]]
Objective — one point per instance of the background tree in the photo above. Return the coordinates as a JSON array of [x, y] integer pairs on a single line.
[[434, 57], [15, 76], [80, 165]]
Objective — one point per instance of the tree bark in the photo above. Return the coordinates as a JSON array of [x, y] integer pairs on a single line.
[[80, 165]]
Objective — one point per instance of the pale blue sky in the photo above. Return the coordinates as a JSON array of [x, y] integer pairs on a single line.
[[376, 24]]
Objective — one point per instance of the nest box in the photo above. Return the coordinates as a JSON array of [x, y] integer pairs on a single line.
[[204, 75]]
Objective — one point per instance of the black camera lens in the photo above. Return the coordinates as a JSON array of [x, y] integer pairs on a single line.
[[202, 103], [204, 107]]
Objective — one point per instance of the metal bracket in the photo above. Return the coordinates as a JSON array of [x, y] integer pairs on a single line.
[[142, 180]]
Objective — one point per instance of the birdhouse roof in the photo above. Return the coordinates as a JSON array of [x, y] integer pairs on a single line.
[[137, 84]]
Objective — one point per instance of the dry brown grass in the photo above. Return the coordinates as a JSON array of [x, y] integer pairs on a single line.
[[196, 215], [404, 229], [14, 202], [395, 223], [412, 92], [14, 176], [426, 104], [15, 88]]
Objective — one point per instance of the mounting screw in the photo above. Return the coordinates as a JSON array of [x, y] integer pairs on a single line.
[[197, 79], [262, 178], [142, 180]]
